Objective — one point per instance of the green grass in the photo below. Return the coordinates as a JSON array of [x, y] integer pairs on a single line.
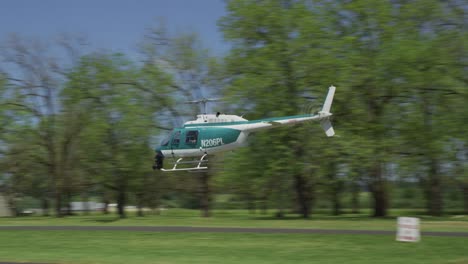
[[240, 218], [141, 247], [78, 247]]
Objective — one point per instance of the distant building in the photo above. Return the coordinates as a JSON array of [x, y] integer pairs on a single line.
[[4, 209], [91, 206]]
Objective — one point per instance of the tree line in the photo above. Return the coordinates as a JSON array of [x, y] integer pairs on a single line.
[[79, 123]]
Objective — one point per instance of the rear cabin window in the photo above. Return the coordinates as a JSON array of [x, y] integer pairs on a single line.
[[192, 137]]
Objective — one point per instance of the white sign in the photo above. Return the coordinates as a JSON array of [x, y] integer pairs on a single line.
[[408, 229]]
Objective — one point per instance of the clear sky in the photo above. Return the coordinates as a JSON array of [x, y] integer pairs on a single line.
[[116, 25]]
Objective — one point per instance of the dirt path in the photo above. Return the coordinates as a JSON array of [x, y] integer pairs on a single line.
[[223, 230]]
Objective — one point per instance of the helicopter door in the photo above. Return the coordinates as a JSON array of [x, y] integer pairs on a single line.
[[175, 140], [191, 138]]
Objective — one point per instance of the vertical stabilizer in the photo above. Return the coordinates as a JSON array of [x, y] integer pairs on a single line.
[[328, 102], [325, 113], [328, 128]]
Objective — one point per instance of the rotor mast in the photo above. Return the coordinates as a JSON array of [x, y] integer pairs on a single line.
[[204, 101]]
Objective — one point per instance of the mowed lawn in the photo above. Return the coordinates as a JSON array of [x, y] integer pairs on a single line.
[[145, 247], [161, 247], [241, 218]]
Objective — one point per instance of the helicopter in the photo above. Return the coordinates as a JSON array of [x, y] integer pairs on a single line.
[[210, 134]]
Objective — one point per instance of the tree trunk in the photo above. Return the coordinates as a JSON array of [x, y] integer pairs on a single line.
[[465, 198], [433, 190], [264, 205], [58, 203], [355, 198], [45, 206], [105, 209], [67, 188], [121, 200], [57, 193], [279, 213], [335, 187], [84, 197], [69, 203], [379, 191], [56, 178], [336, 203], [435, 199], [251, 204], [140, 205], [140, 211], [380, 202], [11, 205], [205, 194], [303, 195]]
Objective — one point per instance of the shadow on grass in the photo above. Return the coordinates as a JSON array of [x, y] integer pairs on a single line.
[[102, 220], [364, 216], [323, 217]]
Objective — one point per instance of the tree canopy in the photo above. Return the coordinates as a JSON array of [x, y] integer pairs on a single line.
[[85, 126]]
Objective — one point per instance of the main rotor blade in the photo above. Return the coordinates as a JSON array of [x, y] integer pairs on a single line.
[[214, 99], [204, 100]]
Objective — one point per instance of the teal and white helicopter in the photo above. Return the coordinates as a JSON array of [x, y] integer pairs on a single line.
[[210, 134]]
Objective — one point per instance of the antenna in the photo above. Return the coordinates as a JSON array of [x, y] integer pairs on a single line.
[[204, 101]]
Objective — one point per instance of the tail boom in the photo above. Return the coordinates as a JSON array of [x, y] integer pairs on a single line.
[[323, 116]]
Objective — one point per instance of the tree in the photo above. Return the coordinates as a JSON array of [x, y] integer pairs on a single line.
[[120, 123], [397, 61], [185, 59], [272, 64], [432, 59], [34, 85]]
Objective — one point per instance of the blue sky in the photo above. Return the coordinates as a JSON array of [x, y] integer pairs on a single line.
[[116, 25]]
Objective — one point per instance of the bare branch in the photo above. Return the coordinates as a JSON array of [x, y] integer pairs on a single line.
[[27, 108]]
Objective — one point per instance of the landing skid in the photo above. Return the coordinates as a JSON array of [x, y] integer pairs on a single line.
[[199, 166]]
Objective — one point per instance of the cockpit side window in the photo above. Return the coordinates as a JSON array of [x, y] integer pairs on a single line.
[[176, 138], [192, 137]]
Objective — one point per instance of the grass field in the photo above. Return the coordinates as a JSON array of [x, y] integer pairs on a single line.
[[78, 247], [140, 247]]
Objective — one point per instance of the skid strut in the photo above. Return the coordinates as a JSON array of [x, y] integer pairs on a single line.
[[198, 162]]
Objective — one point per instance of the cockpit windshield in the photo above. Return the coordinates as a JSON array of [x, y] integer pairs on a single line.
[[165, 141]]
